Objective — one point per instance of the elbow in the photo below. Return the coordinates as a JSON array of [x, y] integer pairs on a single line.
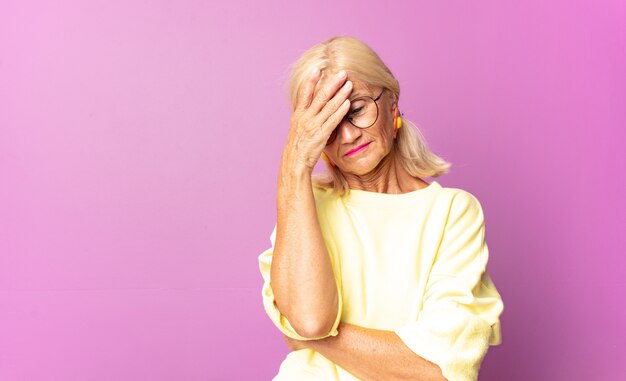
[[315, 326], [313, 330], [307, 325]]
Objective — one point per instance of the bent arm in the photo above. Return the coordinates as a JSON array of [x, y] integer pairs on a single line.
[[301, 274], [372, 354]]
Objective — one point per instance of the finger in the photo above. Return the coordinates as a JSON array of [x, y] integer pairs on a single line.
[[335, 118], [305, 92], [326, 91], [331, 106]]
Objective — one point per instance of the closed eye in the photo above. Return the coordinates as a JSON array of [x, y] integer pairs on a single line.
[[356, 111]]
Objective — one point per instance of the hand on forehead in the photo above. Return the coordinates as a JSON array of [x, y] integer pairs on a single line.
[[359, 89]]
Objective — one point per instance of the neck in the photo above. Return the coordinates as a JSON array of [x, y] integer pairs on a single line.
[[389, 176]]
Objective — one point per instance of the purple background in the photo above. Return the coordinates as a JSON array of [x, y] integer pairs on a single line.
[[139, 147]]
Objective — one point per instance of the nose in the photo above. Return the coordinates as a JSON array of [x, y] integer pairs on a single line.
[[347, 132]]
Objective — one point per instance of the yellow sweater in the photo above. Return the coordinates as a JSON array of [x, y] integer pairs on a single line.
[[412, 263]]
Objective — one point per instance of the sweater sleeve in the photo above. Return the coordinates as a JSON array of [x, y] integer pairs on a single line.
[[459, 317], [281, 322]]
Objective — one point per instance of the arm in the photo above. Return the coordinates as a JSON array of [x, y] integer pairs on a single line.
[[301, 273], [459, 317], [372, 354]]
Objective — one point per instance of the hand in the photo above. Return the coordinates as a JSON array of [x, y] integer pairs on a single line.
[[294, 344], [319, 108]]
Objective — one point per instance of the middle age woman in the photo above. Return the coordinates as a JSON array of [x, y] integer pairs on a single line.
[[373, 273]]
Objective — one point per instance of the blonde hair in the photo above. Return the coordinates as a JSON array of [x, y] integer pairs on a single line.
[[363, 65]]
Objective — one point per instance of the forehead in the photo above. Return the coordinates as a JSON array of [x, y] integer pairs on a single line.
[[360, 89]]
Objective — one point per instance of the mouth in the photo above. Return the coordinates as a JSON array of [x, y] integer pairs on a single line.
[[357, 150]]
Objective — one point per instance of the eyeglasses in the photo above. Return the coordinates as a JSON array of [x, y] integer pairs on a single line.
[[363, 113]]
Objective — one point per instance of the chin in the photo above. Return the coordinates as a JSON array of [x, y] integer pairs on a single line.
[[361, 167]]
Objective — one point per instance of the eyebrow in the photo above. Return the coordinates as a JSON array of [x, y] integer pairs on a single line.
[[359, 93], [356, 95]]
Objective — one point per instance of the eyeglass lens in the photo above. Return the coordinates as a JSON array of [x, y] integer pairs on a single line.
[[362, 114]]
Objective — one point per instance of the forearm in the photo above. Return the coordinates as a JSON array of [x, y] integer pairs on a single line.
[[301, 274], [372, 354]]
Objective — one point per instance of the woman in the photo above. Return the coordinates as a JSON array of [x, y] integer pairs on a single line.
[[373, 274]]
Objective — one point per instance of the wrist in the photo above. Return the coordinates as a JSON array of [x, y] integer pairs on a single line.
[[294, 178], [295, 167]]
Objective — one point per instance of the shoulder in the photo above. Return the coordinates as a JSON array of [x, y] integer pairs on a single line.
[[461, 202], [458, 196]]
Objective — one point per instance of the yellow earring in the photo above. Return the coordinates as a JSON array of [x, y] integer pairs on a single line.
[[397, 122], [326, 159], [397, 119]]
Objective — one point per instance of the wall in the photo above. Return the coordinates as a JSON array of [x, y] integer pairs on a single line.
[[139, 147]]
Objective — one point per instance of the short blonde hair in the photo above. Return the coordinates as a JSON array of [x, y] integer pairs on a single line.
[[363, 65]]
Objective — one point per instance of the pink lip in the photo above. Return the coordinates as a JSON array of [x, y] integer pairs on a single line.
[[357, 149]]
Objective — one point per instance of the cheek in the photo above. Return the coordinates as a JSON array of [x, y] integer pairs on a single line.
[[386, 131]]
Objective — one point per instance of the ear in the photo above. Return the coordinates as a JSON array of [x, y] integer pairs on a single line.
[[394, 106]]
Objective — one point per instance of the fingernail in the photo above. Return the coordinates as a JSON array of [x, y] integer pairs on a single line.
[[341, 74], [314, 71]]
